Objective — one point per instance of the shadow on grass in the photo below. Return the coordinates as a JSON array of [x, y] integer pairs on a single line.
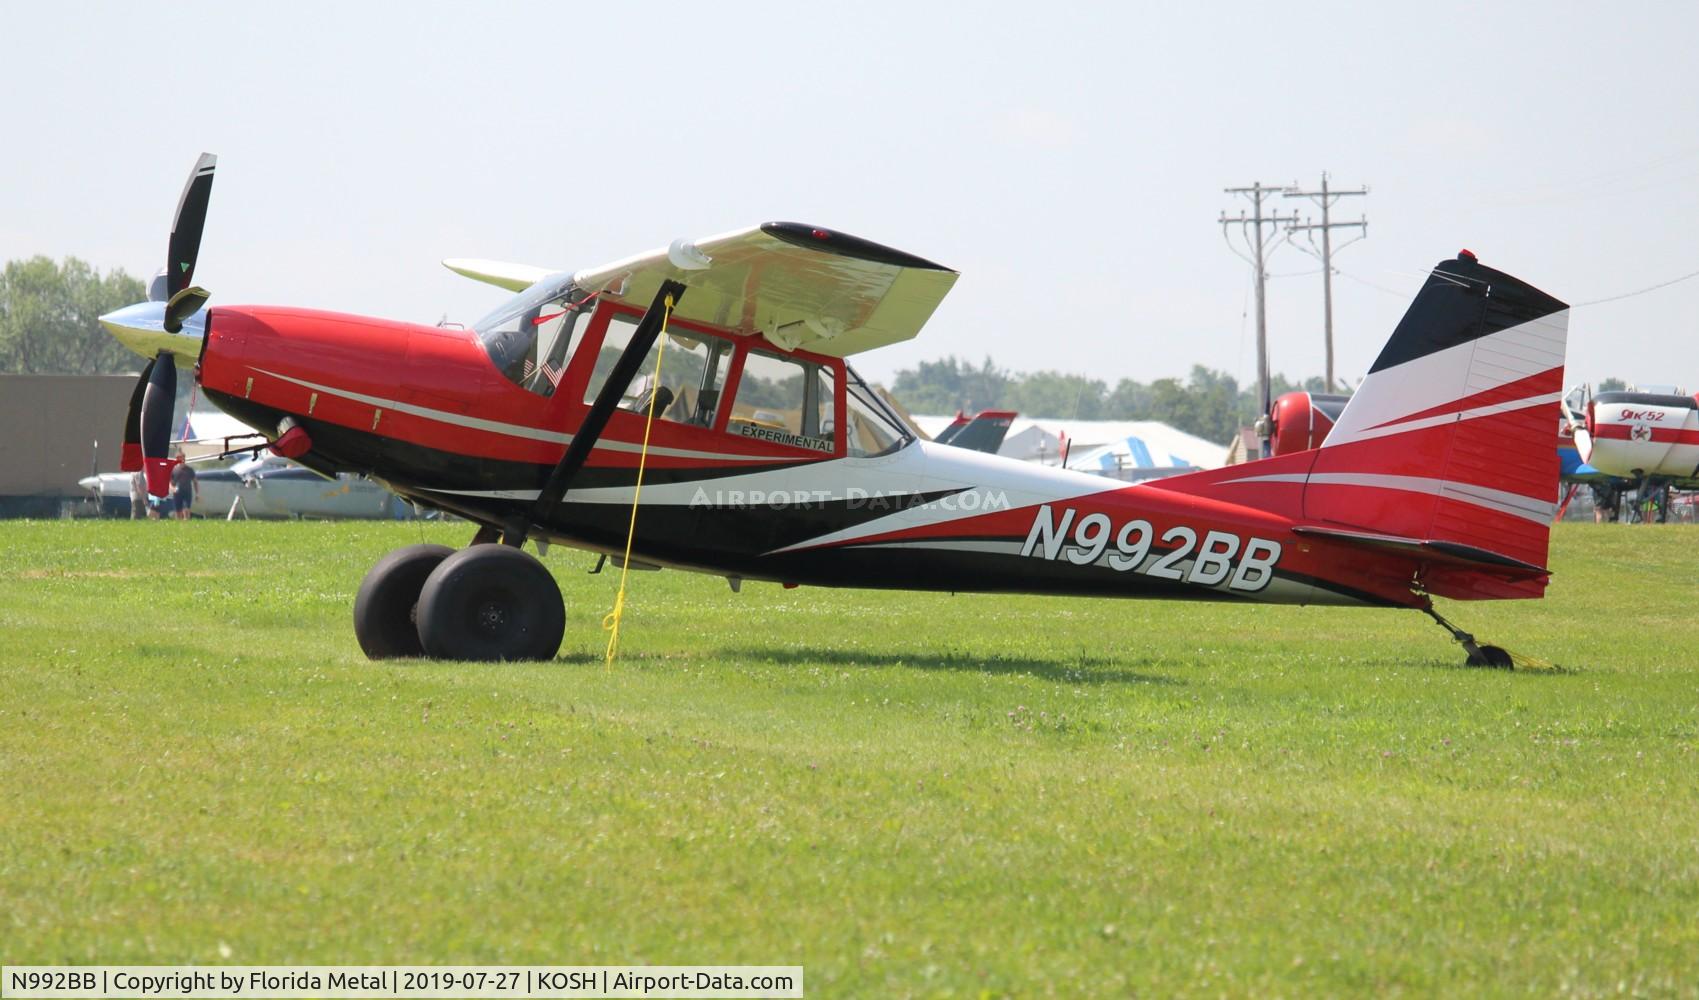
[[1525, 666], [1071, 670]]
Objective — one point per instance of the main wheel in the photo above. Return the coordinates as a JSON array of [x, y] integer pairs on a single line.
[[491, 602], [384, 607]]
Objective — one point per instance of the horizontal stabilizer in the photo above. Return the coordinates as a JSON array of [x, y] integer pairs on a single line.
[[1437, 550]]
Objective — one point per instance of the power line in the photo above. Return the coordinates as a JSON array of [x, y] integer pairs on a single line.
[[1649, 288], [1689, 276], [1325, 198]]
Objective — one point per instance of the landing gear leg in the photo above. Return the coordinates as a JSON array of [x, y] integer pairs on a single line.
[[1479, 655]]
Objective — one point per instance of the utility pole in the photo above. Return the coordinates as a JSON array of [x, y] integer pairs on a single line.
[[1325, 198], [1251, 231]]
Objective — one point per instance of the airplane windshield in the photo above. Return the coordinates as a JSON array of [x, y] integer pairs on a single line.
[[530, 337]]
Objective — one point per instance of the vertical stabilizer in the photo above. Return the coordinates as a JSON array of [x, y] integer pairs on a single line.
[[1449, 438]]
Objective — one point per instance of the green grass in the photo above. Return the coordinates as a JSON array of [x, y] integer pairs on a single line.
[[908, 794]]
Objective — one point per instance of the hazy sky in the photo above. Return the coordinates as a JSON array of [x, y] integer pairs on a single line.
[[1069, 160]]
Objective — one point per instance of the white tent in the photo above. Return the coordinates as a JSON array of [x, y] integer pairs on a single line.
[[1123, 449]]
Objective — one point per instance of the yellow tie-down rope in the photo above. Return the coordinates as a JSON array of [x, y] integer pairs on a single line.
[[611, 622]]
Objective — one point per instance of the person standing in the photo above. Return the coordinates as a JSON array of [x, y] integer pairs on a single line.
[[184, 488], [138, 496]]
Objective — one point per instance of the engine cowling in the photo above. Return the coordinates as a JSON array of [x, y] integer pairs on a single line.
[[1644, 434], [1301, 421]]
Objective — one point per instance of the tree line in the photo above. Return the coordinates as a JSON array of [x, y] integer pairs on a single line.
[[1210, 404], [49, 317]]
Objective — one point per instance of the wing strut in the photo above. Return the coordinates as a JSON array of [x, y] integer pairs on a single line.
[[596, 420]]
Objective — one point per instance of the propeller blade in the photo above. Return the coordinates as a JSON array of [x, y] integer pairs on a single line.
[[186, 227], [130, 458], [183, 305], [158, 401], [1578, 429]]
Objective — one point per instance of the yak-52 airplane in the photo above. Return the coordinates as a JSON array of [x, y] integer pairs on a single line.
[[716, 371], [1648, 441]]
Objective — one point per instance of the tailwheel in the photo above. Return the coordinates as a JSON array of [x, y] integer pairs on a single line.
[[385, 606], [491, 602], [1477, 654], [1490, 656]]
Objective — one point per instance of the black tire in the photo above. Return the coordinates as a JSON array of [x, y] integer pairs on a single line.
[[1498, 658], [388, 596], [491, 602]]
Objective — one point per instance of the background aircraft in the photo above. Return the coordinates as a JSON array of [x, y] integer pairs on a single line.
[[984, 431], [267, 487], [1128, 450], [1647, 441]]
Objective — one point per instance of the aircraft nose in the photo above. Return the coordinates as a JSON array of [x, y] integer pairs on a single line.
[[89, 482], [141, 328]]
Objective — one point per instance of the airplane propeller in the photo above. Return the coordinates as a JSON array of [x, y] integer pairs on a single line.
[[148, 427], [174, 285]]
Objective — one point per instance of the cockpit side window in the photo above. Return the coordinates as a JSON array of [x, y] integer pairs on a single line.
[[692, 375], [783, 400]]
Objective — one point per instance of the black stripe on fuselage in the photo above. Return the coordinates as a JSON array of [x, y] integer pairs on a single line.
[[1182, 589]]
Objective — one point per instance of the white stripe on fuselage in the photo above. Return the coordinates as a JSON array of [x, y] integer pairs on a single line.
[[998, 484], [1480, 496], [1457, 416], [977, 483]]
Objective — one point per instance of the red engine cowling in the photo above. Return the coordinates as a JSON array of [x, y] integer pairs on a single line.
[[1301, 420]]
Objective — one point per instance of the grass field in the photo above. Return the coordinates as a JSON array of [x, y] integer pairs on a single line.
[[908, 794]]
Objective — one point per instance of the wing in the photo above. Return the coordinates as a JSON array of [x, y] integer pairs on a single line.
[[513, 277], [799, 286]]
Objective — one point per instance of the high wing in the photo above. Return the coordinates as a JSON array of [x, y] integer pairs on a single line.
[[801, 287]]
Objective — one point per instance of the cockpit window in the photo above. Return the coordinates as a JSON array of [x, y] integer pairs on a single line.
[[693, 372], [783, 400], [872, 428], [531, 336]]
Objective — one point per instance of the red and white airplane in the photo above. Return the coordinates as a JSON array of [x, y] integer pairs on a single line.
[[764, 456], [1650, 439]]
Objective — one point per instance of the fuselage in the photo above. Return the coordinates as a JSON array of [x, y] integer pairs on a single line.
[[426, 411]]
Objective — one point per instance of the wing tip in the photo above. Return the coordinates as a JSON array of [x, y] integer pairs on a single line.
[[844, 245]]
